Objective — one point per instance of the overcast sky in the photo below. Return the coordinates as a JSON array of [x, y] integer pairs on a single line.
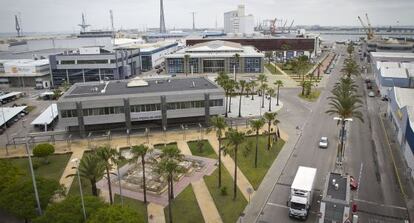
[[59, 15]]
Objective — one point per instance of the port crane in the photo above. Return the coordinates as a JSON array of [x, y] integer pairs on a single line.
[[368, 28], [291, 26]]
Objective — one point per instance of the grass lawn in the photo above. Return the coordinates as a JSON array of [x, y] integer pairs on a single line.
[[161, 146], [229, 210], [272, 68], [86, 186], [206, 151], [290, 72], [264, 161], [312, 97], [185, 208], [137, 205], [53, 170]]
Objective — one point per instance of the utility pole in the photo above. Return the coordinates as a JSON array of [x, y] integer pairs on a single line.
[[112, 21], [193, 13]]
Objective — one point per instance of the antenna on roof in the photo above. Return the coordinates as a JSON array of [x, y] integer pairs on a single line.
[[83, 25]]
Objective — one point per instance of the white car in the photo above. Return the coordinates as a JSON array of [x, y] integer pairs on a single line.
[[371, 94], [323, 143]]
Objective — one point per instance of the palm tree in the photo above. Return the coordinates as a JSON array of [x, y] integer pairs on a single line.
[[218, 123], [256, 125], [236, 58], [248, 89], [350, 68], [268, 55], [139, 152], [92, 169], [106, 154], [241, 86], [253, 85], [118, 158], [269, 117], [345, 104], [300, 65], [279, 84], [168, 168], [318, 66], [174, 154], [350, 49], [235, 139], [186, 61], [222, 80], [232, 85], [263, 89], [271, 93], [308, 87]]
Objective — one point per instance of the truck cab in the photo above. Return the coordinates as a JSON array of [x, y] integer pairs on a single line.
[[298, 207]]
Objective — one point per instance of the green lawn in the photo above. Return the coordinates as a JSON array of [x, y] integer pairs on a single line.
[[228, 208], [206, 151], [185, 208], [137, 205], [290, 71], [86, 186], [312, 97], [53, 170], [161, 146], [272, 68], [265, 158]]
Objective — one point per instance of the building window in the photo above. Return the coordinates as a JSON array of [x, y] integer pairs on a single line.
[[103, 111], [66, 62], [69, 113], [185, 105], [213, 66], [234, 62], [92, 61], [193, 63], [216, 103], [252, 65], [175, 65], [145, 108]]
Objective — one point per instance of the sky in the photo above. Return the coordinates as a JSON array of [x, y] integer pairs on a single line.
[[64, 15]]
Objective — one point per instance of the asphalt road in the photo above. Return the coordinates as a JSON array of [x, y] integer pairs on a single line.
[[379, 198]]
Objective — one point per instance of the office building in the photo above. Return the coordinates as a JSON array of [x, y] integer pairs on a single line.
[[25, 73], [139, 103], [237, 22], [94, 64], [215, 56]]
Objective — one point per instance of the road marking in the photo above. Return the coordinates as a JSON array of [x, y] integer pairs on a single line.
[[382, 205], [277, 205]]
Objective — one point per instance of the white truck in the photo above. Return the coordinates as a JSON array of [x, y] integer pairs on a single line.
[[301, 192]]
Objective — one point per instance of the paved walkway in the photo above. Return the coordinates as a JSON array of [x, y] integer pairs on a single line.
[[288, 82], [155, 213], [206, 202], [67, 181]]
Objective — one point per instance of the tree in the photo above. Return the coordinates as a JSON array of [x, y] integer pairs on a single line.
[[70, 210], [350, 68], [300, 66], [253, 85], [241, 86], [18, 197], [308, 87], [118, 159], [262, 79], [256, 125], [139, 152], [9, 173], [236, 58], [318, 66], [263, 89], [223, 80], [91, 168], [218, 124], [350, 49], [43, 150], [279, 84], [235, 139], [115, 213], [106, 154], [168, 167], [268, 55], [174, 154], [270, 117], [232, 85], [271, 93], [345, 104], [186, 62]]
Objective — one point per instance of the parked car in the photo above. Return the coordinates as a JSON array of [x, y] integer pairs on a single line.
[[367, 81], [369, 86], [323, 142], [371, 94], [353, 183]]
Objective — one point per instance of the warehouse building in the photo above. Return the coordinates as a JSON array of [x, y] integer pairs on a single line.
[[139, 103], [25, 73], [215, 56]]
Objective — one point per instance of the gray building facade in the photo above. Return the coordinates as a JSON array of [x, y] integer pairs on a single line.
[[135, 104]]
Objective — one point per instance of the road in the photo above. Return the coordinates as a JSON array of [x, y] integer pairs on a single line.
[[379, 200]]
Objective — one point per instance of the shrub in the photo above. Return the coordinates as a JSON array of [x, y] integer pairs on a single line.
[[44, 150], [223, 191]]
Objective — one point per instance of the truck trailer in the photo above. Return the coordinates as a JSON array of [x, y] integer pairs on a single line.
[[301, 192]]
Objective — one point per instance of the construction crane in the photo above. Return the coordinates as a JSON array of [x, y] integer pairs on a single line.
[[291, 26], [284, 26], [273, 26], [367, 28], [17, 25], [83, 25]]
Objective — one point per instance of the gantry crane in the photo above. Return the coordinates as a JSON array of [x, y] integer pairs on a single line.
[[291, 26], [368, 29]]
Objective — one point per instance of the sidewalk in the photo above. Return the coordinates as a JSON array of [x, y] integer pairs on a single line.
[[67, 181], [155, 213]]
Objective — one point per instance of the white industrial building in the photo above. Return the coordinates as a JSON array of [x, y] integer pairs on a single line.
[[25, 73], [238, 22]]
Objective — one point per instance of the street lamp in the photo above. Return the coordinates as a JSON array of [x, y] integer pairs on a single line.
[[343, 121], [39, 208], [76, 162]]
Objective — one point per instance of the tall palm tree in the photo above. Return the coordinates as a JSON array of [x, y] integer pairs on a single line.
[[300, 66], [262, 79], [350, 49], [118, 158], [232, 85], [263, 89], [269, 117], [350, 68], [271, 93], [222, 79], [345, 104], [235, 139], [256, 125], [186, 61], [138, 153], [248, 89], [168, 168], [241, 86], [236, 58], [174, 154], [279, 84], [218, 124], [92, 169], [318, 66], [253, 85], [106, 154], [268, 55]]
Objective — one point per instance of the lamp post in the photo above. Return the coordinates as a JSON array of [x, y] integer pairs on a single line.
[[76, 162], [39, 208], [343, 122], [5, 129]]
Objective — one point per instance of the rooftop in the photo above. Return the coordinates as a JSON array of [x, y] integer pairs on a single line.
[[393, 55], [394, 72], [341, 192], [25, 62], [154, 86], [404, 96]]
